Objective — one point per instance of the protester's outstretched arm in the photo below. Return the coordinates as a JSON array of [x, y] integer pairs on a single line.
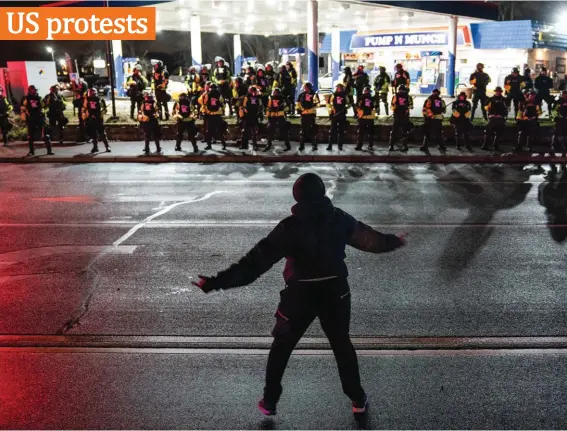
[[367, 239], [256, 262]]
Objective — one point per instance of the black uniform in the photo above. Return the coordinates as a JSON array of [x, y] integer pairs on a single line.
[[32, 111], [401, 77], [527, 121], [55, 105], [293, 78], [543, 85], [250, 110], [283, 79], [313, 241], [433, 110], [402, 104], [185, 115], [381, 86], [497, 110], [160, 79], [221, 75], [308, 102], [348, 82], [5, 125], [560, 132], [361, 80], [276, 120], [94, 109], [366, 116], [79, 90], [461, 122], [513, 86], [148, 117], [136, 85], [338, 112], [479, 81], [212, 104]]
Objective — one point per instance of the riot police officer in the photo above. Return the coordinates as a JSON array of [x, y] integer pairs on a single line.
[[93, 111], [191, 83], [148, 118], [460, 119], [337, 108], [79, 87], [402, 104], [293, 76], [250, 110], [136, 84], [514, 84], [160, 81], [276, 111], [529, 111], [5, 109], [184, 113], [381, 86], [307, 104], [560, 131], [401, 77], [31, 112], [56, 105], [366, 116], [497, 109], [543, 85], [283, 81], [348, 82], [361, 80], [479, 81], [239, 92], [212, 104], [263, 86], [221, 76], [433, 109]]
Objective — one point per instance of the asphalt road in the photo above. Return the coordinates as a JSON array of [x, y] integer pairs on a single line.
[[110, 250]]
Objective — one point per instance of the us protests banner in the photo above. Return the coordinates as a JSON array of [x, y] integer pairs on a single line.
[[75, 23]]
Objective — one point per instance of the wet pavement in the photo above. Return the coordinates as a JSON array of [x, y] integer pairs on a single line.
[[110, 249]]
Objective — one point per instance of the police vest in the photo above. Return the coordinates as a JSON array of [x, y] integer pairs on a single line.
[[253, 105], [191, 78], [530, 110], [221, 73], [262, 82], [185, 108], [462, 106], [402, 103], [400, 78], [480, 80], [366, 104], [93, 107], [159, 78], [213, 101], [148, 108], [55, 104], [562, 108], [33, 106], [277, 104], [284, 79], [498, 106], [514, 83], [436, 106], [339, 102], [307, 100]]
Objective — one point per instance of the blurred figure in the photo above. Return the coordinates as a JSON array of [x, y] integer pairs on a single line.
[[250, 110], [307, 104], [293, 89], [56, 106], [348, 82], [497, 110], [79, 87], [552, 195], [212, 104], [544, 85], [514, 84], [361, 80], [184, 113], [401, 77], [31, 111], [433, 109], [381, 86], [366, 116], [160, 81], [5, 109], [337, 108], [479, 81], [221, 76], [529, 111], [461, 120], [560, 130], [276, 111], [136, 84], [402, 104], [93, 112], [148, 118]]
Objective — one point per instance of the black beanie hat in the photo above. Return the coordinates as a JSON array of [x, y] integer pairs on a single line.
[[308, 187]]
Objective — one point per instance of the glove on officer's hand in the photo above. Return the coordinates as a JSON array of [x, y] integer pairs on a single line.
[[205, 283]]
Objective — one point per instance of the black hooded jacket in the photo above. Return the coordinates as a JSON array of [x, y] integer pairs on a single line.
[[313, 241]]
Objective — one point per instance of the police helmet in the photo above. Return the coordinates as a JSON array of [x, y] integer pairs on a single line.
[[204, 68], [480, 66], [192, 69], [260, 70], [270, 65], [276, 91], [498, 89], [183, 96], [148, 95], [218, 59], [91, 92], [530, 93], [347, 69], [366, 89], [32, 89], [340, 86], [462, 93], [238, 80], [382, 68], [436, 91], [158, 64], [403, 89], [54, 88], [515, 70], [308, 85], [360, 66], [137, 68], [213, 86], [288, 63], [252, 89], [399, 66]]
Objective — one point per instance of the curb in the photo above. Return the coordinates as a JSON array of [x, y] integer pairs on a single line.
[[246, 158]]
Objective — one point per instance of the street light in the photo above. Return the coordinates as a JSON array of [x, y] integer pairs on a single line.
[[62, 62], [50, 50]]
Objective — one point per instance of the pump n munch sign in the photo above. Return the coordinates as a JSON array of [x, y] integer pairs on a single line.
[[398, 39]]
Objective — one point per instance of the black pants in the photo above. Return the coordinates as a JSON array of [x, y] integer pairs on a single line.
[[527, 133], [189, 128], [462, 127], [5, 127], [36, 126], [514, 99], [494, 130], [291, 102], [400, 129], [214, 129], [162, 98], [560, 135], [95, 130], [365, 128], [249, 130], [300, 304], [57, 121], [135, 105], [308, 130], [151, 130], [281, 124], [433, 128], [381, 98], [547, 98], [479, 96], [226, 94], [338, 128]]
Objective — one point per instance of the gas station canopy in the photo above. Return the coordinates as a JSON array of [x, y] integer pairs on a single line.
[[284, 17]]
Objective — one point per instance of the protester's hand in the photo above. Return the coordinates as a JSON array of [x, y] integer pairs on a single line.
[[403, 237], [204, 283]]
